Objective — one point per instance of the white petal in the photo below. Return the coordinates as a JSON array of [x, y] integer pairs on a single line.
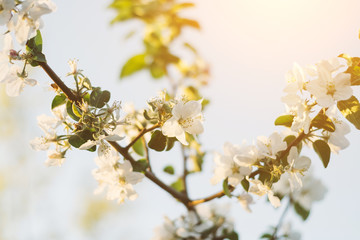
[[195, 128], [87, 145]]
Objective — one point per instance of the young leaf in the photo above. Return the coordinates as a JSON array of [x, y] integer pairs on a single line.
[[99, 98], [139, 147], [302, 212], [58, 100], [226, 188], [245, 184], [134, 64], [170, 143], [157, 141], [169, 169], [285, 120], [140, 165], [353, 69], [69, 110], [266, 236], [35, 44], [80, 138], [232, 236], [322, 121], [351, 110], [323, 150], [178, 185]]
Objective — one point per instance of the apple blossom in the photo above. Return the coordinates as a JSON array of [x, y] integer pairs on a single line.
[[186, 117]]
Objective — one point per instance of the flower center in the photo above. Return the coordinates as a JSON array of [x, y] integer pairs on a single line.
[[122, 180], [331, 89], [187, 122]]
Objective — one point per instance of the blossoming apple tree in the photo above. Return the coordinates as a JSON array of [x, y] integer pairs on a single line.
[[319, 104]]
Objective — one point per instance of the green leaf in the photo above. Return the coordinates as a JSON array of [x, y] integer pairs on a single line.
[[353, 69], [302, 212], [157, 71], [35, 44], [178, 185], [266, 235], [69, 110], [285, 120], [170, 143], [323, 150], [140, 165], [133, 65], [264, 176], [169, 169], [99, 98], [351, 110], [226, 188], [80, 138], [322, 121], [290, 139], [233, 236], [245, 184], [139, 147], [58, 100], [157, 141]]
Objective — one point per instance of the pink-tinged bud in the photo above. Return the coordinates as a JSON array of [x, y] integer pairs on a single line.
[[14, 55]]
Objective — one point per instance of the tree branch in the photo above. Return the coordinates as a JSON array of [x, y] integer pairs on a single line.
[[142, 133], [123, 151]]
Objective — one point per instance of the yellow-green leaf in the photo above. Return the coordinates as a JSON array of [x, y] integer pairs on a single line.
[[133, 65], [323, 150], [351, 110]]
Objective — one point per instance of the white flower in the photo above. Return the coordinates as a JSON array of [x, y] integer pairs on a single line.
[[5, 10], [118, 178], [337, 140], [186, 117], [165, 232], [234, 165], [73, 67], [55, 158], [289, 233], [191, 226], [28, 20], [245, 200], [297, 165], [111, 136], [15, 83], [302, 119], [296, 80], [261, 189], [328, 89], [312, 190], [269, 147]]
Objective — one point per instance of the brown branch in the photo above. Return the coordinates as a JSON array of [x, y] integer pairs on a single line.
[[123, 151], [142, 133], [209, 198], [179, 196], [67, 91]]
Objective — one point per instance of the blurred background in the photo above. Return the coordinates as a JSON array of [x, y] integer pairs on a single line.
[[250, 45]]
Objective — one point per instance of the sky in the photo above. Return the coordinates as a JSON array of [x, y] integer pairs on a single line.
[[250, 46]]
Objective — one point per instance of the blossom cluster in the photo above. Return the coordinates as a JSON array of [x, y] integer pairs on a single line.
[[49, 125], [277, 157], [22, 20], [208, 222]]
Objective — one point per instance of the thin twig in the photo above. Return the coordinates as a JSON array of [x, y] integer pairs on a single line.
[[185, 171], [142, 133], [209, 198], [274, 237], [147, 157]]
